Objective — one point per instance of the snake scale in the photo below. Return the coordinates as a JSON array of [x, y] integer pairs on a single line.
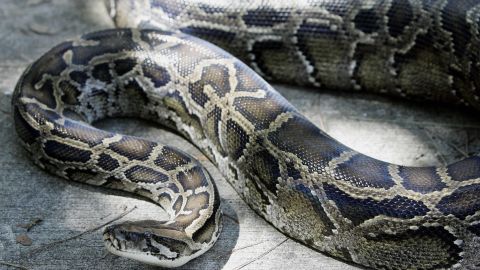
[[308, 185]]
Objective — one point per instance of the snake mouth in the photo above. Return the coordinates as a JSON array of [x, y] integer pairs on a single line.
[[114, 246], [120, 243], [111, 242]]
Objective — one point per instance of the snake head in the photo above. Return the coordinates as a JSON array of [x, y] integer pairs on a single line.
[[152, 242]]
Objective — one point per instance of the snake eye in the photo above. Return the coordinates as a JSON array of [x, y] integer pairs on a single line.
[[110, 230], [130, 236]]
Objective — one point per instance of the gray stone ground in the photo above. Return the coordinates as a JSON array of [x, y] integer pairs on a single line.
[[391, 130]]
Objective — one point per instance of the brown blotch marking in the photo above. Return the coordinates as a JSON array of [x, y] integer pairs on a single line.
[[263, 165], [211, 128], [66, 153], [157, 74], [144, 174], [175, 103], [423, 180], [371, 71], [265, 17], [455, 20], [255, 196], [102, 72], [133, 148], [425, 248], [79, 76], [462, 203], [164, 199], [359, 210], [268, 55], [367, 20], [195, 203], [248, 80], [363, 171], [192, 178], [177, 206], [184, 221], [304, 217], [324, 49], [110, 41], [464, 170], [80, 132], [136, 96], [315, 148], [196, 90], [423, 72], [51, 63], [292, 171], [261, 111], [217, 77], [107, 163], [123, 66], [171, 186], [171, 158], [400, 15], [188, 61], [206, 232], [43, 95], [237, 139]]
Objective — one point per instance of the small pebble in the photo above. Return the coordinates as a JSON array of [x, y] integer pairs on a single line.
[[24, 240], [40, 29]]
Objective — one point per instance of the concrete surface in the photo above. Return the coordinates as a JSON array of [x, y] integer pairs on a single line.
[[392, 130]]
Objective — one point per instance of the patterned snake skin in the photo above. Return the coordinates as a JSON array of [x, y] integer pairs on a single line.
[[305, 183]]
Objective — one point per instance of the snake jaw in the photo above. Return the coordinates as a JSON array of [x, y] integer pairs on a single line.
[[110, 240], [131, 241]]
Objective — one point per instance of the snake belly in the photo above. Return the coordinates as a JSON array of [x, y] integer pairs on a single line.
[[305, 183]]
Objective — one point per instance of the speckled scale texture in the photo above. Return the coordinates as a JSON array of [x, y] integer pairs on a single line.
[[418, 49], [305, 183]]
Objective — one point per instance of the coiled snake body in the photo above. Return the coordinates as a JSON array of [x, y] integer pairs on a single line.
[[305, 183]]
